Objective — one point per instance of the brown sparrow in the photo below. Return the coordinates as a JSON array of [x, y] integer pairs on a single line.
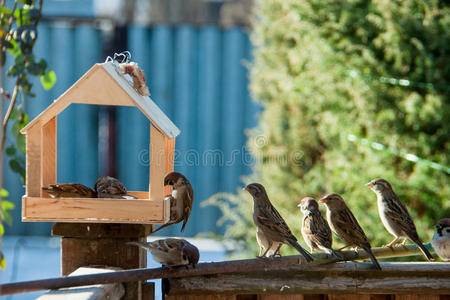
[[182, 199], [69, 190], [171, 252], [344, 225], [110, 187], [138, 77], [270, 224], [441, 239], [395, 216], [315, 230]]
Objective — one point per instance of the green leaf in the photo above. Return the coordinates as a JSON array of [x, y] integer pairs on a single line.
[[3, 193], [5, 10], [21, 143], [11, 150], [2, 262], [7, 205], [48, 79], [37, 69], [2, 229], [14, 165]]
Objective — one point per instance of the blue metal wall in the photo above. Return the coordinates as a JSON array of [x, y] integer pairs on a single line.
[[195, 74]]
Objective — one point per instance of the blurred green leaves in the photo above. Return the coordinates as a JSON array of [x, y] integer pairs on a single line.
[[327, 70]]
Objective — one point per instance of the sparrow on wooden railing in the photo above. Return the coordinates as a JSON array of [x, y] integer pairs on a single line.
[[395, 216], [315, 230], [441, 239], [344, 225], [270, 224], [171, 251]]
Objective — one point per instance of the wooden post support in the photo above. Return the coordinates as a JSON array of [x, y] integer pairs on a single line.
[[87, 244]]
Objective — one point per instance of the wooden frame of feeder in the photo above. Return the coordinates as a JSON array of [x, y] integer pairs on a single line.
[[103, 84]]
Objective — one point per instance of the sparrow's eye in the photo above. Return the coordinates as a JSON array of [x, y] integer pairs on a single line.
[[184, 257]]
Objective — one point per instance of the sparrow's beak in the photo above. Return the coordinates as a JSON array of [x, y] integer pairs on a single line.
[[299, 205], [245, 189], [369, 185], [323, 200]]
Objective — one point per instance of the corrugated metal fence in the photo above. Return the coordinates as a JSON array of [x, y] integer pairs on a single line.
[[198, 78]]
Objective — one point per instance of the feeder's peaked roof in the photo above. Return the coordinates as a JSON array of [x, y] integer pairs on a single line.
[[103, 85]]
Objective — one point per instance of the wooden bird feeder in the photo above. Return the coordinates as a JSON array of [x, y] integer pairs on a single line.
[[103, 84]]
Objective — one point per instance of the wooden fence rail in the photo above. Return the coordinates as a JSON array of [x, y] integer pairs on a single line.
[[314, 271]]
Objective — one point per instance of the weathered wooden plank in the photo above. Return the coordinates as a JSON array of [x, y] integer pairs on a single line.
[[33, 162], [169, 153], [104, 245], [48, 154], [112, 291], [202, 297], [82, 210], [340, 278], [148, 291], [157, 163], [283, 297], [417, 297]]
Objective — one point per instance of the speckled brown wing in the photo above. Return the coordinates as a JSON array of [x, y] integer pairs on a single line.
[[109, 187], [69, 190], [318, 230], [188, 201], [273, 225], [347, 229], [397, 211]]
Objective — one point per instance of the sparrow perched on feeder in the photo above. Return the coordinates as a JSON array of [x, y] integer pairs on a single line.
[[138, 76], [182, 199], [395, 216], [344, 225], [69, 190], [441, 239], [270, 224], [110, 187], [315, 230], [171, 251]]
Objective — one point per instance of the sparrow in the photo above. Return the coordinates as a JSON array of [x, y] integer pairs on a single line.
[[138, 77], [69, 190], [315, 230], [343, 223], [182, 199], [441, 239], [395, 216], [270, 224], [171, 251], [110, 187]]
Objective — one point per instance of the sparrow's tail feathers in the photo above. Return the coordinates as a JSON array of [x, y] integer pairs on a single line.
[[373, 259], [425, 251], [163, 226], [300, 249], [184, 225]]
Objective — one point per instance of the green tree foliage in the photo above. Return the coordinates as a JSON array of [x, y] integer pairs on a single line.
[[19, 20], [351, 90]]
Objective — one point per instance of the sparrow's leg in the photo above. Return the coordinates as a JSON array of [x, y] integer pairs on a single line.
[[267, 250], [342, 248], [277, 251], [391, 243], [260, 251]]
